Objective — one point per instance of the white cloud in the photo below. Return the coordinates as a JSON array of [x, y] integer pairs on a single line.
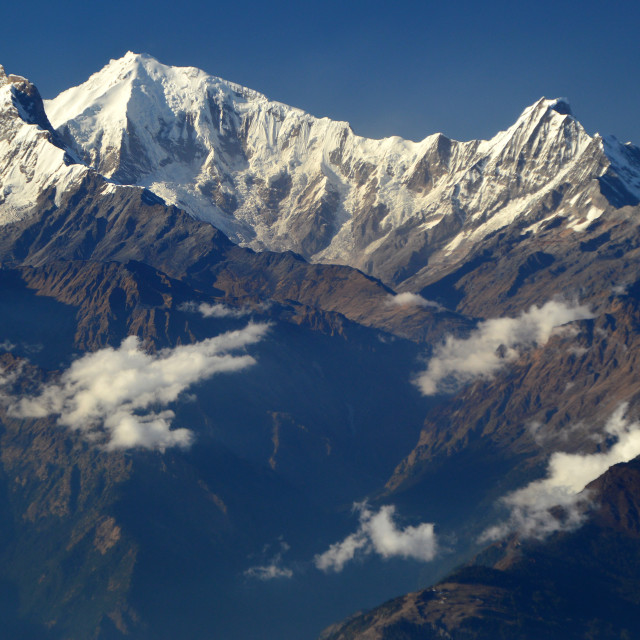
[[219, 310], [274, 569], [7, 345], [408, 299], [567, 476], [379, 534], [492, 345], [115, 394], [268, 572], [339, 553]]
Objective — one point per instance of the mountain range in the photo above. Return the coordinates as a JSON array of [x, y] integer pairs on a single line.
[[258, 372]]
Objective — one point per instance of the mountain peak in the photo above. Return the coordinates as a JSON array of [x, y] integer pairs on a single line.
[[156, 71], [138, 63], [545, 108], [26, 99], [32, 155], [131, 57], [137, 56], [561, 106]]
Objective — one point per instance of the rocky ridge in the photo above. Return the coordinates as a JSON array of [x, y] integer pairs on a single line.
[[273, 177], [331, 409], [581, 584]]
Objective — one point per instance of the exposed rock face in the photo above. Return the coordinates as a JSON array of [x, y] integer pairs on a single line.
[[271, 176], [554, 398], [515, 268], [33, 161]]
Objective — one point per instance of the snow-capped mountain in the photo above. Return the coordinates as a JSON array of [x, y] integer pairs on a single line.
[[33, 162], [271, 176], [55, 208], [168, 542]]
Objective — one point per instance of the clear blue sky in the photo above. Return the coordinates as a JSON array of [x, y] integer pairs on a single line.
[[405, 68]]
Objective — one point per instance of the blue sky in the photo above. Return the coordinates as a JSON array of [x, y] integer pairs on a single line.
[[405, 68]]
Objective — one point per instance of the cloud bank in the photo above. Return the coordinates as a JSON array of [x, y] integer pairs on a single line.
[[492, 345], [116, 395], [379, 534], [534, 509], [408, 299]]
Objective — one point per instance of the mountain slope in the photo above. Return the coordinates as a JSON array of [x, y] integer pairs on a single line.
[[552, 398], [271, 176], [161, 540], [96, 539], [99, 542], [582, 584], [32, 158], [74, 213], [505, 430]]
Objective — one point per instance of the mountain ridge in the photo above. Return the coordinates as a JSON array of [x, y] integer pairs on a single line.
[[330, 410], [575, 584], [271, 176]]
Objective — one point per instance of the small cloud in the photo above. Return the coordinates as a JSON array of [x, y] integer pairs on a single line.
[[492, 345], [274, 569], [268, 572], [408, 299], [7, 345], [534, 429], [219, 310], [379, 534], [339, 553], [557, 502], [113, 394]]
